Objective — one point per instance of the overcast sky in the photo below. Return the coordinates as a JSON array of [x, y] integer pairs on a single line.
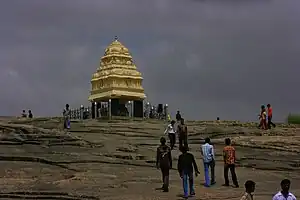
[[207, 58]]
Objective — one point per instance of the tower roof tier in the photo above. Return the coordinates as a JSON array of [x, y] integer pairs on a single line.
[[117, 75]]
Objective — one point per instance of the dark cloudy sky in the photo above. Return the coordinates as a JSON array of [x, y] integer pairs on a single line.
[[207, 58]]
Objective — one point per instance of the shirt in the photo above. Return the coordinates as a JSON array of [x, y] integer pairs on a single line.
[[208, 153], [270, 112], [279, 196], [247, 196], [186, 162], [170, 129], [229, 155], [182, 129]]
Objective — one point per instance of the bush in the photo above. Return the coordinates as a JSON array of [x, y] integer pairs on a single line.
[[293, 119]]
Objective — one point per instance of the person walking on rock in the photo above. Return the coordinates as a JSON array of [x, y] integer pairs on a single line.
[[208, 156], [171, 133], [66, 114], [229, 163], [182, 134], [250, 188], [284, 194], [270, 115], [186, 166], [164, 162]]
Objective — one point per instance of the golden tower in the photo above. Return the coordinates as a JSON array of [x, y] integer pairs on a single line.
[[117, 80]]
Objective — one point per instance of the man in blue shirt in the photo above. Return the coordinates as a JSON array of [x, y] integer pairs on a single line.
[[284, 194], [209, 162]]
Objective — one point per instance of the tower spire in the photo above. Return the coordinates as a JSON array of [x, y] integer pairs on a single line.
[[116, 37]]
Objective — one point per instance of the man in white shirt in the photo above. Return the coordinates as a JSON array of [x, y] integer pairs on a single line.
[[170, 130], [208, 156], [284, 194]]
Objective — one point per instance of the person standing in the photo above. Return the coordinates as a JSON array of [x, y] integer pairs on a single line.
[[164, 162], [263, 118], [270, 115], [284, 194], [178, 116], [186, 166], [250, 188], [171, 133], [229, 163], [66, 114], [182, 134], [209, 162]]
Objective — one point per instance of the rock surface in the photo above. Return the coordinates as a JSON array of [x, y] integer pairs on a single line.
[[115, 159]]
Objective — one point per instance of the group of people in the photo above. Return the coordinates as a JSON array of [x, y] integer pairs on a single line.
[[25, 115], [265, 117], [187, 165]]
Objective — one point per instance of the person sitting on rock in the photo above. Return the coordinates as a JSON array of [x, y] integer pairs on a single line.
[[30, 115], [24, 114]]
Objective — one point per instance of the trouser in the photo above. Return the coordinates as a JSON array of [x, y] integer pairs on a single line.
[[172, 139], [270, 122], [230, 167], [165, 177], [210, 165], [183, 141], [188, 183]]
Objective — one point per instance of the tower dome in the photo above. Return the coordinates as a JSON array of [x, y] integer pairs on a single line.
[[117, 76], [116, 47]]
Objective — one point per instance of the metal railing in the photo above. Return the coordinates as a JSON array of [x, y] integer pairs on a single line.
[[149, 112]]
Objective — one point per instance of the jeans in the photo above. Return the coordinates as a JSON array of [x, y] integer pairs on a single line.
[[188, 182], [210, 165], [172, 138], [233, 174]]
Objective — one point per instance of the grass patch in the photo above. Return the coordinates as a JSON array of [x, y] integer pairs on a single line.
[[293, 119]]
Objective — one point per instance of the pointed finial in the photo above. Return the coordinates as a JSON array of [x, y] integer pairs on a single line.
[[116, 37]]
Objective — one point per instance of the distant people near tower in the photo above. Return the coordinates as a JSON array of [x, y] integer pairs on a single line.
[[284, 194], [24, 114], [270, 116], [250, 188], [178, 116], [186, 166], [229, 163], [66, 114], [164, 162], [263, 118], [208, 157], [170, 130], [182, 134], [30, 115]]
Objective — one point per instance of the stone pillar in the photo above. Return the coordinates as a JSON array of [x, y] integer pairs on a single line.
[[109, 108], [166, 111], [81, 112], [94, 107]]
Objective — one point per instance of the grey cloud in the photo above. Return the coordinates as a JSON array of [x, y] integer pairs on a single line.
[[206, 58]]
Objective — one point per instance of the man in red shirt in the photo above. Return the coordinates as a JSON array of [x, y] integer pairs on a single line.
[[270, 113]]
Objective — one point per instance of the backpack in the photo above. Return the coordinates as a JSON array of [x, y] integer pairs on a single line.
[[164, 156]]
